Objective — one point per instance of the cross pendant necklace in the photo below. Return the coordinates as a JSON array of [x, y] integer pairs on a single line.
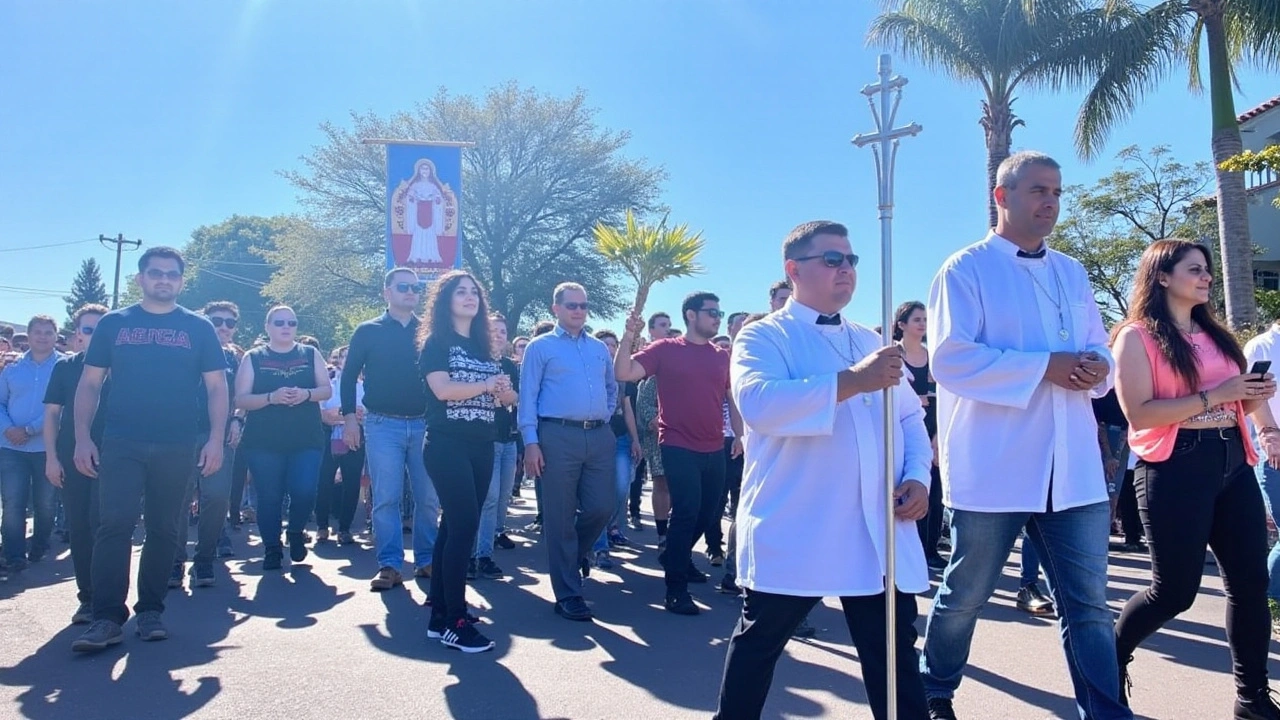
[[854, 349], [1057, 302]]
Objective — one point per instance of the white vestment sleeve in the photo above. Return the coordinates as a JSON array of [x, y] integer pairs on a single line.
[[962, 364], [770, 401], [1096, 338]]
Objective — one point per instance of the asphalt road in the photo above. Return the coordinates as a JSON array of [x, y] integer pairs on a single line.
[[314, 642]]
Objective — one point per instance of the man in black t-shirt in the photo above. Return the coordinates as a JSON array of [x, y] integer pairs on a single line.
[[79, 493], [157, 353]]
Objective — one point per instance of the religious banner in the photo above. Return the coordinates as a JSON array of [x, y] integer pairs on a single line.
[[424, 181]]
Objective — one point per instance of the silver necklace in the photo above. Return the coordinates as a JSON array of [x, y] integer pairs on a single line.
[[1057, 301], [854, 349]]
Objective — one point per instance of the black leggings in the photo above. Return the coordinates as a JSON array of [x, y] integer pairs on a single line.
[[461, 469], [1204, 495], [338, 501]]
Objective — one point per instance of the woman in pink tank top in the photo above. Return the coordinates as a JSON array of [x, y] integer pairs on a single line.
[[1182, 382]]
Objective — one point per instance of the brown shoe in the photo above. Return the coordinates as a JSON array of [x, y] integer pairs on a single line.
[[423, 571], [387, 578]]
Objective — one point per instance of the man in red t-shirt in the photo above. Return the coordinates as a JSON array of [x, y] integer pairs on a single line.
[[693, 386]]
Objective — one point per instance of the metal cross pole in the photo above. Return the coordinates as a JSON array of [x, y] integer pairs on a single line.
[[884, 146]]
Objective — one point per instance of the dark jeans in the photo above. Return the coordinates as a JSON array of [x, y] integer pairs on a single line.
[[728, 493], [239, 476], [22, 483], [339, 500], [132, 472], [214, 494], [460, 468], [80, 500], [1204, 495], [637, 488], [275, 474], [696, 482], [1127, 509], [930, 526], [767, 622]]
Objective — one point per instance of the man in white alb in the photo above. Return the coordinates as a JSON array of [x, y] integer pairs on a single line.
[[1018, 348], [808, 384]]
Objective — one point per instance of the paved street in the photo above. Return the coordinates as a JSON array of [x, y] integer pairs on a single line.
[[315, 642]]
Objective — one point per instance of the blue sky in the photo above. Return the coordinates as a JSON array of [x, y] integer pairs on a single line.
[[153, 118]]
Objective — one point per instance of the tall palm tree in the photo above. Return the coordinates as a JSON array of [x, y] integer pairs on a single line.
[[999, 45], [1159, 37], [650, 253]]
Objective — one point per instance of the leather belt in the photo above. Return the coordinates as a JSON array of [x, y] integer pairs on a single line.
[[584, 424], [1219, 433]]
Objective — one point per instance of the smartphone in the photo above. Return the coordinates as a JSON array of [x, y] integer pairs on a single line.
[[1259, 368]]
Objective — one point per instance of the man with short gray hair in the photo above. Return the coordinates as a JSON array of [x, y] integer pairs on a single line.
[[567, 396]]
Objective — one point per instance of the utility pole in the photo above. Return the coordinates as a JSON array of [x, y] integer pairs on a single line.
[[120, 243]]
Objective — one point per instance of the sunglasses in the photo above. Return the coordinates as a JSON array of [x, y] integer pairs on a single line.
[[407, 287], [574, 306], [158, 274], [713, 313], [87, 330], [832, 259], [220, 321], [283, 323]]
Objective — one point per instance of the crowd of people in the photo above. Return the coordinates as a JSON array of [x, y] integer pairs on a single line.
[[1014, 415]]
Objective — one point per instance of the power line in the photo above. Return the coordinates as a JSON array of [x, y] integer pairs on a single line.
[[32, 291], [202, 261], [50, 245]]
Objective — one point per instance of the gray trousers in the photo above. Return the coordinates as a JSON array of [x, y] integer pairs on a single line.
[[215, 496], [579, 495]]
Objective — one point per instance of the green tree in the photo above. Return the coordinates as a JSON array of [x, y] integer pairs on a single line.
[[1000, 46], [86, 288], [1266, 160], [1107, 226], [1155, 39], [541, 175]]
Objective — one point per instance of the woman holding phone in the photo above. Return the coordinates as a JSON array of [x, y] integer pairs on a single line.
[[1182, 382]]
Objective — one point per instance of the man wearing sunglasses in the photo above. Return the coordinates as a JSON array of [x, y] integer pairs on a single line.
[[157, 352], [693, 387], [79, 492], [215, 490], [567, 397], [395, 397]]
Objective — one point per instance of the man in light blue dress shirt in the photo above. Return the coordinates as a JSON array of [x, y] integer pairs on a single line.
[[567, 395], [22, 450]]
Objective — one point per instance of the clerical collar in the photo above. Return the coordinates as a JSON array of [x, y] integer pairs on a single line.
[[1011, 248]]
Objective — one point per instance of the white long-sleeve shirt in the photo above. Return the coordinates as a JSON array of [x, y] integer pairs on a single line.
[[1003, 430], [1266, 346], [814, 468]]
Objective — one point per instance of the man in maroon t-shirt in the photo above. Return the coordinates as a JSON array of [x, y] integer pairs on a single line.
[[693, 384]]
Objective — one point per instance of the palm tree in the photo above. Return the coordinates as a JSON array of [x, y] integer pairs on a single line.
[[1169, 34], [999, 45], [650, 254]]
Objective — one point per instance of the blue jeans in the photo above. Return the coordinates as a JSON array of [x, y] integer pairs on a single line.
[[1030, 562], [22, 482], [1269, 480], [294, 473], [393, 449], [493, 515], [1073, 546], [625, 473]]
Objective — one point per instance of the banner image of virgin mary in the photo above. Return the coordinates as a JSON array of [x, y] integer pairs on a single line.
[[424, 212]]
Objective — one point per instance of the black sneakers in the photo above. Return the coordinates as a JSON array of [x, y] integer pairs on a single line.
[[504, 541], [1031, 600], [940, 709], [681, 604], [462, 635], [297, 547], [488, 568], [1258, 705]]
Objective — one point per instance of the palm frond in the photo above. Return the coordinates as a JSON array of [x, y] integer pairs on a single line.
[[1255, 26], [1139, 55], [930, 42], [650, 253]]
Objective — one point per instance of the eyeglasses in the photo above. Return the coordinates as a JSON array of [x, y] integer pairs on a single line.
[[282, 323], [219, 321], [713, 313], [87, 330], [832, 259], [574, 306], [158, 274], [408, 287]]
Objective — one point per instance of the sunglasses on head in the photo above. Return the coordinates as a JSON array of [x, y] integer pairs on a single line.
[[158, 274], [574, 306], [713, 313], [220, 321], [407, 287], [283, 323], [833, 259]]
